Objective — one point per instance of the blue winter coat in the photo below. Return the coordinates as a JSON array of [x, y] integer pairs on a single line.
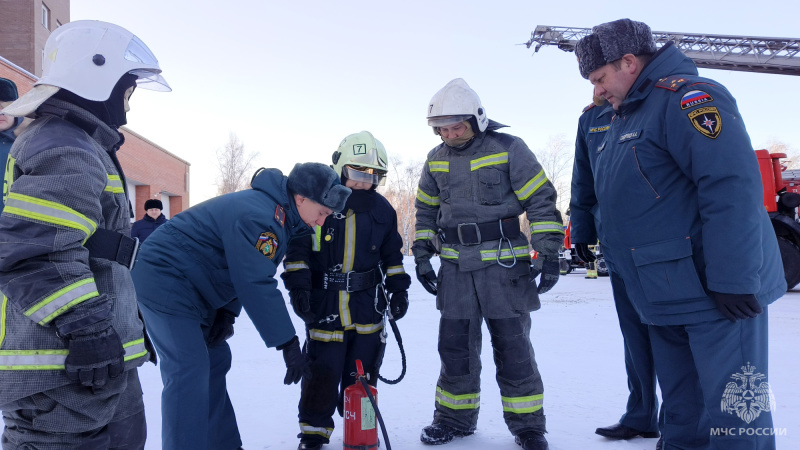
[[7, 139], [224, 249], [142, 229], [679, 195]]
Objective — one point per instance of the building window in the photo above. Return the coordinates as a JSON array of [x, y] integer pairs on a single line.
[[45, 16]]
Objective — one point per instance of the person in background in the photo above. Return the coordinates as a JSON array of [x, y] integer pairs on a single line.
[[679, 199], [8, 124], [71, 337], [152, 219], [336, 285], [641, 411], [473, 188], [194, 276]]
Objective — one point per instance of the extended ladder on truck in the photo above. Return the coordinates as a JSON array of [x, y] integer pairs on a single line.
[[744, 54]]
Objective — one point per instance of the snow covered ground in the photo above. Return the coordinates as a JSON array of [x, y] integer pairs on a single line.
[[578, 347]]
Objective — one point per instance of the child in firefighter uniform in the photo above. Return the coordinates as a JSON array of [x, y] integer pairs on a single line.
[[336, 285], [194, 275], [70, 334], [473, 188]]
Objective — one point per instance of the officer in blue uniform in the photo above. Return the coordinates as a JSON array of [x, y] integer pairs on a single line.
[[679, 198], [196, 272], [641, 412]]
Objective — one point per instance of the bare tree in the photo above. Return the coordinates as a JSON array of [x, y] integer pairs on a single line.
[[792, 160], [234, 166], [556, 159], [400, 191]]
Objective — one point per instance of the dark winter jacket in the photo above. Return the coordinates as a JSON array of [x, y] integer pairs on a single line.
[[142, 229], [363, 237], [6, 141], [680, 197], [63, 185], [223, 253]]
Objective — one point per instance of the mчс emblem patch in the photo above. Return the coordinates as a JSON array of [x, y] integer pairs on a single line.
[[267, 244], [707, 121]]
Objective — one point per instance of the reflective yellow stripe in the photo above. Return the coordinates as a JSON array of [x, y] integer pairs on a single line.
[[8, 179], [547, 227], [463, 401], [448, 253], [319, 431], [326, 336], [427, 199], [50, 212], [394, 270], [291, 266], [497, 158], [523, 405], [369, 328], [3, 307], [531, 186], [491, 255], [316, 242], [439, 166], [58, 302], [54, 359], [424, 234], [114, 185], [347, 265]]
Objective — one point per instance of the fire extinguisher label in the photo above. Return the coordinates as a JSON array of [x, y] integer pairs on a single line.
[[367, 414]]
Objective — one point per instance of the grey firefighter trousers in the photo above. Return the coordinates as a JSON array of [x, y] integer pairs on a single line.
[[504, 298]]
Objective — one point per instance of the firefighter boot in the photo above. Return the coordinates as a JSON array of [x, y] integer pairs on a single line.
[[439, 433], [531, 440], [309, 445]]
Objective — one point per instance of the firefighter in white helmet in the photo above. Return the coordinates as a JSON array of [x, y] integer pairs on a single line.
[[72, 336], [473, 188], [338, 280]]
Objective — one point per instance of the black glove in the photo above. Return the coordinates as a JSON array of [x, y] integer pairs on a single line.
[[222, 328], [737, 306], [301, 304], [94, 358], [398, 304], [584, 253], [549, 274], [295, 361], [427, 277]]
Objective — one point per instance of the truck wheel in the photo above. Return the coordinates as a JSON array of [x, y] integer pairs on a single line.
[[602, 269], [790, 256]]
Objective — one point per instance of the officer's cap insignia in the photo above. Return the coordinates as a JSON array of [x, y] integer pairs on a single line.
[[707, 121], [267, 244], [280, 215], [694, 98]]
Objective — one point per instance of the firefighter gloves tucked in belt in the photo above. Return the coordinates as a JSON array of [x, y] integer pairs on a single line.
[[295, 360], [94, 358], [584, 253], [301, 304], [398, 305], [737, 306], [427, 276], [548, 274], [222, 329]]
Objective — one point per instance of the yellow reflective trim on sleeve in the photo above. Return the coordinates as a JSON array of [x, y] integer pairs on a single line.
[[8, 178], [316, 239], [439, 166], [523, 405], [448, 253], [497, 158], [427, 199], [326, 336], [3, 307], [422, 235], [50, 212], [531, 186], [291, 266], [56, 303], [44, 359], [395, 270], [547, 227], [114, 185]]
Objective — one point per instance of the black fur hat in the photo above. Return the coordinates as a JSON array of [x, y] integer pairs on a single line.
[[319, 183], [611, 41], [153, 203], [8, 90]]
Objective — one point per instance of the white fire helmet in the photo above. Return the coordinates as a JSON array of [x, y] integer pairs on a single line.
[[87, 58], [456, 102], [362, 158]]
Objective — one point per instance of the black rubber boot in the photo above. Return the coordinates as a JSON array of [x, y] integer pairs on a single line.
[[439, 433]]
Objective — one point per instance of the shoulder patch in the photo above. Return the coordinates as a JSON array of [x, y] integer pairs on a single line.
[[267, 244], [707, 121], [672, 83], [588, 107], [694, 98], [280, 215]]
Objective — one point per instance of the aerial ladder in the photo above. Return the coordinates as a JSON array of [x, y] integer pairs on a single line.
[[781, 194]]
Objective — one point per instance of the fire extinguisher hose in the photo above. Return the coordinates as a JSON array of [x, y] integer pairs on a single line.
[[364, 383], [396, 332]]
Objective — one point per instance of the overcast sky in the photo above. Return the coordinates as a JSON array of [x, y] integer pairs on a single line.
[[291, 79]]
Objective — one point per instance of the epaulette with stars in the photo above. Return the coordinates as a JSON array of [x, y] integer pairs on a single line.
[[673, 82], [588, 107]]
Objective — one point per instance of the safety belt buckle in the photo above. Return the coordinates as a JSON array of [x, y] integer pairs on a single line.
[[467, 229], [347, 281]]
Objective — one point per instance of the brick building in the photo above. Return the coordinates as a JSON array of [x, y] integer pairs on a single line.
[[151, 171]]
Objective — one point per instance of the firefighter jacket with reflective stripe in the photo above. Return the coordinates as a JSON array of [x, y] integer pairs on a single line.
[[680, 197], [495, 177], [62, 183], [221, 250], [363, 237]]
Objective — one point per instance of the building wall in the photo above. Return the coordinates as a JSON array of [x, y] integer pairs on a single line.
[[22, 35]]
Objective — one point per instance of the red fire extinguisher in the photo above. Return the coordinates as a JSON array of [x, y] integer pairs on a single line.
[[360, 424]]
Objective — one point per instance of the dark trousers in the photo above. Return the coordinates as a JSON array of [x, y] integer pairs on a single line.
[[75, 417]]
